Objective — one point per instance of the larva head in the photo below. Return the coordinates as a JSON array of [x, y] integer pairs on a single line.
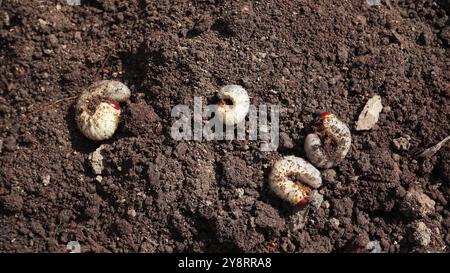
[[324, 119], [303, 197], [325, 115]]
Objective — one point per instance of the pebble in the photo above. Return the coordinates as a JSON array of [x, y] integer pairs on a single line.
[[420, 234], [97, 160], [374, 247], [4, 17], [240, 192], [334, 223], [402, 143], [131, 213], [316, 199], [373, 2], [73, 2], [370, 114], [46, 180]]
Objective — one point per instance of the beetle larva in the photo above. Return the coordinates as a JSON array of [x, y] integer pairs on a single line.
[[233, 105], [292, 179], [330, 143], [98, 110]]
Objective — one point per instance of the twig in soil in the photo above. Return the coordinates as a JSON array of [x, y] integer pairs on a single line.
[[434, 149], [102, 65]]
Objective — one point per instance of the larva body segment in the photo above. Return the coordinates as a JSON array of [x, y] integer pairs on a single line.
[[240, 103], [98, 110], [292, 179], [330, 143]]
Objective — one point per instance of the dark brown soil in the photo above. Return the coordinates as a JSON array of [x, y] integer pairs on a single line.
[[159, 195]]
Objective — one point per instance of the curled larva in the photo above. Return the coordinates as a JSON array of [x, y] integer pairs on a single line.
[[330, 143], [98, 109], [293, 178], [233, 105]]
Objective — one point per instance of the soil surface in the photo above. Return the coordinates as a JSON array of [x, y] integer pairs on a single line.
[[156, 194]]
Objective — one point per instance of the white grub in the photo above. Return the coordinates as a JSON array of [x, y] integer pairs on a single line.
[[233, 105], [292, 179], [330, 143], [100, 121]]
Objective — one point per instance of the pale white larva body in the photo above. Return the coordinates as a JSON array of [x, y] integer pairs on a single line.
[[240, 104], [292, 179], [100, 120], [336, 144]]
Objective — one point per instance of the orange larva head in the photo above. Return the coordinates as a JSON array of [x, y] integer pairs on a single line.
[[325, 115], [304, 196]]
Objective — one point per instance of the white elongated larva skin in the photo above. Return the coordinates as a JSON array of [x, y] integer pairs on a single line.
[[338, 136], [235, 113], [101, 122], [288, 169]]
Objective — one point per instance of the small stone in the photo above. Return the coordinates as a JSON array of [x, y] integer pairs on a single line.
[[316, 199], [402, 143], [370, 114], [420, 234], [373, 2], [334, 223], [48, 52], [417, 204], [387, 109], [240, 192], [99, 178], [73, 2], [4, 18], [46, 180], [97, 160], [374, 247], [132, 213]]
